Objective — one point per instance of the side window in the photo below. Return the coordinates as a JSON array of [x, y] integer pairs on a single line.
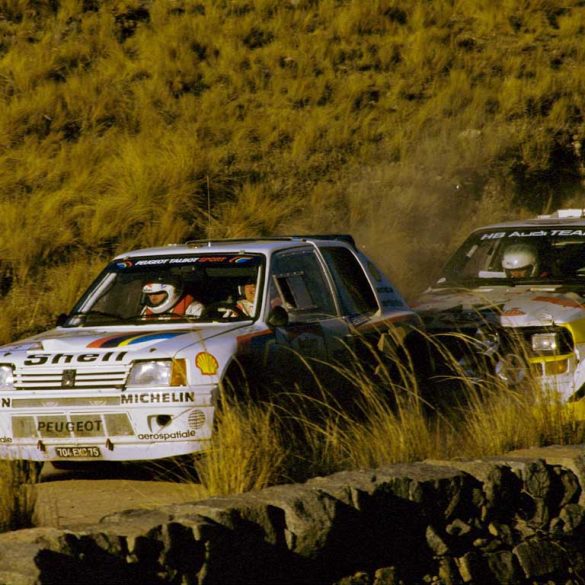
[[355, 292], [298, 283]]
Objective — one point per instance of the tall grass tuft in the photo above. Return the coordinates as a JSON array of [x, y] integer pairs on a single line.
[[368, 414], [390, 419], [247, 451], [500, 419], [386, 435]]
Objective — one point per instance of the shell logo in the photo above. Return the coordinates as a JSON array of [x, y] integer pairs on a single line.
[[206, 363]]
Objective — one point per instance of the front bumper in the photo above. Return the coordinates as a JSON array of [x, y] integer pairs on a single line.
[[135, 424]]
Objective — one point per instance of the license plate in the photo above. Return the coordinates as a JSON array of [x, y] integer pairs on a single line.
[[78, 452]]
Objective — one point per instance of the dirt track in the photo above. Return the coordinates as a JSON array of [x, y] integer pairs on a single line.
[[80, 498]]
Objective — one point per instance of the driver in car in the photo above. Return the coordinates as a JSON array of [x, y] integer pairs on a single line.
[[166, 296], [248, 292], [520, 261], [244, 307]]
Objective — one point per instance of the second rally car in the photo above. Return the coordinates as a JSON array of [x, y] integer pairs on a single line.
[[513, 296]]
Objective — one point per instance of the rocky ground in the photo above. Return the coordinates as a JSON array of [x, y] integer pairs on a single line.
[[514, 519]]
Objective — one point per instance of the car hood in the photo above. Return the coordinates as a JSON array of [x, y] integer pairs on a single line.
[[518, 306], [157, 342]]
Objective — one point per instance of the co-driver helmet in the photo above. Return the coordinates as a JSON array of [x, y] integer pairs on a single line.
[[520, 257]]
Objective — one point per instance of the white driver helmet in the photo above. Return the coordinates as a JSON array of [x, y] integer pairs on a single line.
[[172, 291], [521, 257]]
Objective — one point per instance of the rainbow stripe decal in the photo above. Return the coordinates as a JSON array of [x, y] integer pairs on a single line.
[[134, 338]]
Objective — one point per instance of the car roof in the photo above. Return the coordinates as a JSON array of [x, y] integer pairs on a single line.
[[243, 245], [563, 217]]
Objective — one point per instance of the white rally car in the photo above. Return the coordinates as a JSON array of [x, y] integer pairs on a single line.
[[118, 379], [518, 290]]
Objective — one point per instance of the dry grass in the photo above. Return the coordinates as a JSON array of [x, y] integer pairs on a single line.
[[247, 451], [502, 420], [379, 417], [406, 122], [252, 449], [396, 120]]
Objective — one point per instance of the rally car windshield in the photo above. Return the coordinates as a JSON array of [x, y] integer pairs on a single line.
[[201, 288], [518, 256]]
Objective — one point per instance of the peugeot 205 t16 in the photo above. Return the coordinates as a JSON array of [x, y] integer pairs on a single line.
[[134, 371]]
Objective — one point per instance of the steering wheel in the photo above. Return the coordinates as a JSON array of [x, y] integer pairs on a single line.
[[222, 310]]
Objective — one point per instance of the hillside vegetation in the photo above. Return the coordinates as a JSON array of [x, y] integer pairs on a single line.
[[405, 122]]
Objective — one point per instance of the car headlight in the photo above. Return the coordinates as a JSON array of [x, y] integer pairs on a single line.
[[6, 377], [545, 342], [158, 373]]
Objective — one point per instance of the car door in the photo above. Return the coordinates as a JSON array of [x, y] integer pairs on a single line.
[[357, 301], [385, 333], [315, 332]]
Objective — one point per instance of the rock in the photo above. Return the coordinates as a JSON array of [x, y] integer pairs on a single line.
[[416, 523], [499, 487], [448, 572], [180, 553], [537, 480], [569, 457], [387, 576], [360, 578], [556, 527], [300, 525], [439, 488], [570, 486], [504, 567], [350, 487], [252, 509], [540, 558], [458, 528], [19, 549], [502, 489], [502, 531], [435, 542], [492, 546], [572, 516], [524, 530], [472, 568], [540, 513]]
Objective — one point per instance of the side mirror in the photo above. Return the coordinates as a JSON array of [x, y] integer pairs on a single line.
[[61, 319], [278, 317]]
